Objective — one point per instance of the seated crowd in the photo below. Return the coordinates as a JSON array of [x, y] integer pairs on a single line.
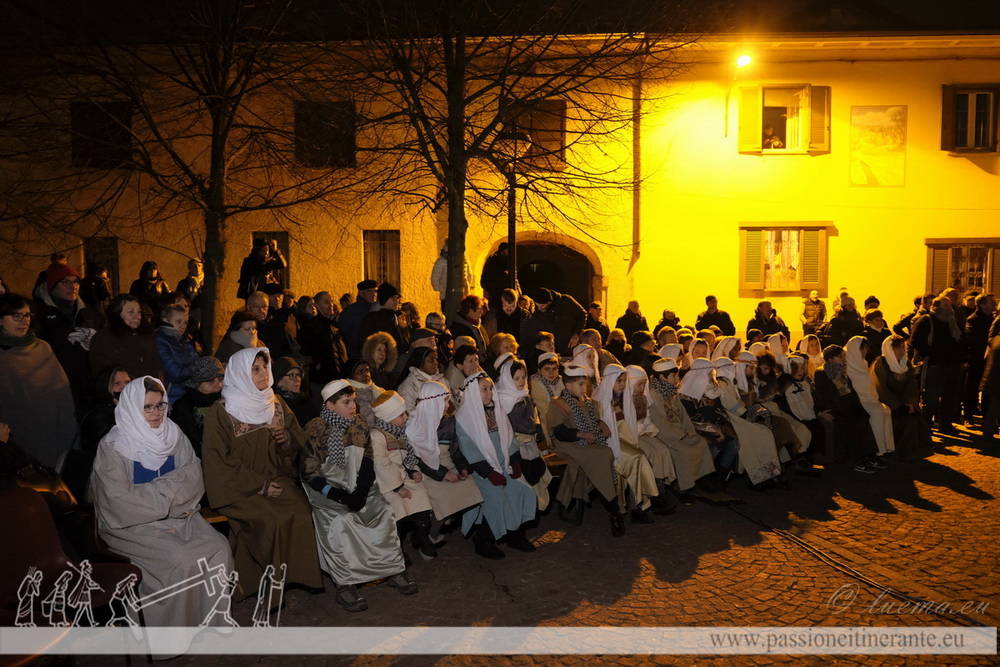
[[347, 439]]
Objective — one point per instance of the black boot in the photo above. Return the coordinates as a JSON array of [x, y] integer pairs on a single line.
[[617, 520], [572, 514], [516, 539], [421, 535], [666, 502], [642, 516], [486, 544]]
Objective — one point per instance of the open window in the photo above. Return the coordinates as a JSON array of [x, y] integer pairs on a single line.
[[969, 118], [783, 259], [784, 119], [382, 255]]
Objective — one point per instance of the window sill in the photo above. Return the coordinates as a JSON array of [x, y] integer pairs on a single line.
[[971, 151], [784, 151]]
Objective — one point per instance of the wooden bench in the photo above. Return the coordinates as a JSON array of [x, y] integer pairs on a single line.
[[212, 516]]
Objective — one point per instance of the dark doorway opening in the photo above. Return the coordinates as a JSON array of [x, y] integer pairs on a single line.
[[557, 267]]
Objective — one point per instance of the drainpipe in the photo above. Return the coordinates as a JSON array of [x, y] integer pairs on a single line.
[[636, 166]]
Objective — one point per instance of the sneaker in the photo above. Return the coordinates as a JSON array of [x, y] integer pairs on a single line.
[[865, 467], [403, 583], [350, 599]]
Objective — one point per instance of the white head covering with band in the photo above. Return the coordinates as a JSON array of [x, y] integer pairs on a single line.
[[573, 370], [585, 355], [725, 368], [471, 417], [422, 427], [724, 346], [604, 395], [132, 435], [244, 400], [664, 366], [691, 353], [743, 359], [774, 343], [636, 374], [695, 382], [547, 356], [670, 351], [757, 349]]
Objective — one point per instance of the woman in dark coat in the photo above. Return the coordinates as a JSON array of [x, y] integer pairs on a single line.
[[150, 288], [845, 325], [127, 341]]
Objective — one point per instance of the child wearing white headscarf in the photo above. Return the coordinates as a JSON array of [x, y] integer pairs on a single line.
[[630, 462], [511, 393], [726, 347], [147, 485], [250, 451], [758, 454], [880, 416], [449, 489], [778, 345], [487, 441], [699, 395], [815, 358], [638, 430]]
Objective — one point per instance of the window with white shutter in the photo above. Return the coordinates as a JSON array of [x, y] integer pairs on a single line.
[[783, 259]]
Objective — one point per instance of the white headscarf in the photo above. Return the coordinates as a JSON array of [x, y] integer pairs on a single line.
[[422, 427], [244, 400], [757, 349], [585, 355], [724, 346], [670, 351], [815, 360], [742, 359], [774, 342], [725, 368], [857, 370], [897, 366], [506, 394], [604, 396], [471, 416], [134, 438], [690, 352], [636, 374], [696, 380]]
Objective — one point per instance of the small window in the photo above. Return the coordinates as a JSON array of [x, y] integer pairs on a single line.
[[545, 124], [969, 118], [964, 264], [281, 240], [101, 134], [382, 256], [784, 119], [782, 260], [325, 134]]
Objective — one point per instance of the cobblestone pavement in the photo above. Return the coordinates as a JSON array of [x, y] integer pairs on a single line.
[[927, 528]]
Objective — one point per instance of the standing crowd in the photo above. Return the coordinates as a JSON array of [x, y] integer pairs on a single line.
[[348, 435]]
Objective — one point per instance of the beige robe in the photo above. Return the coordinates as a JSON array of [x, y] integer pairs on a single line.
[[157, 526], [388, 454], [540, 395], [758, 453], [647, 440], [691, 456], [588, 466], [446, 497]]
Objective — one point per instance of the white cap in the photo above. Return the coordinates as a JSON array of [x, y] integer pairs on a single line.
[[388, 406], [664, 366], [573, 370], [332, 388]]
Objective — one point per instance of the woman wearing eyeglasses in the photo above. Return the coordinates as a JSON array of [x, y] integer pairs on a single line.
[[35, 396], [147, 483]]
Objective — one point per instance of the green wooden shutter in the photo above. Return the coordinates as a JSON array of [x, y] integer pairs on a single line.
[[819, 119], [751, 259], [947, 118], [937, 269], [750, 130], [812, 257]]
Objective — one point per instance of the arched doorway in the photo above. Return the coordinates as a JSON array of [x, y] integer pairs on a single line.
[[559, 263]]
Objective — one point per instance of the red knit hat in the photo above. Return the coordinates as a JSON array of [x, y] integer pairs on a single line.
[[56, 272]]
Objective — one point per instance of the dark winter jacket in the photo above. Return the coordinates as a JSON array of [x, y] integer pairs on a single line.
[[177, 354], [719, 318], [630, 323], [54, 324], [767, 325], [563, 318], [322, 342], [844, 326], [932, 339]]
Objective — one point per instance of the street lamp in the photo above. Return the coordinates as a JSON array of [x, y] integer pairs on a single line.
[[512, 143]]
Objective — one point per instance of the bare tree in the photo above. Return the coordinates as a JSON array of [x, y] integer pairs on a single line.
[[448, 80], [197, 93]]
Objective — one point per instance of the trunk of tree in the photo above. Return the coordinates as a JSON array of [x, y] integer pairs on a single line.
[[454, 52], [215, 262]]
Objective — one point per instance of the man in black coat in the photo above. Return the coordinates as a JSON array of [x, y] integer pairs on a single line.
[[350, 320], [595, 321], [937, 339], [715, 317], [766, 320], [322, 342], [976, 338], [557, 313], [632, 320], [384, 316]]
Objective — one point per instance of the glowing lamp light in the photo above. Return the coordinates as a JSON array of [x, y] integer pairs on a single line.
[[743, 61]]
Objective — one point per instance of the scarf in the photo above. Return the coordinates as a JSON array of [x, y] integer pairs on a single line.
[[134, 438], [948, 317], [399, 433], [17, 341], [897, 366], [834, 369], [244, 339], [551, 386], [605, 399], [857, 370], [506, 393], [422, 427], [774, 342], [799, 394], [244, 401], [471, 417], [662, 387], [335, 452], [584, 413], [636, 374]]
